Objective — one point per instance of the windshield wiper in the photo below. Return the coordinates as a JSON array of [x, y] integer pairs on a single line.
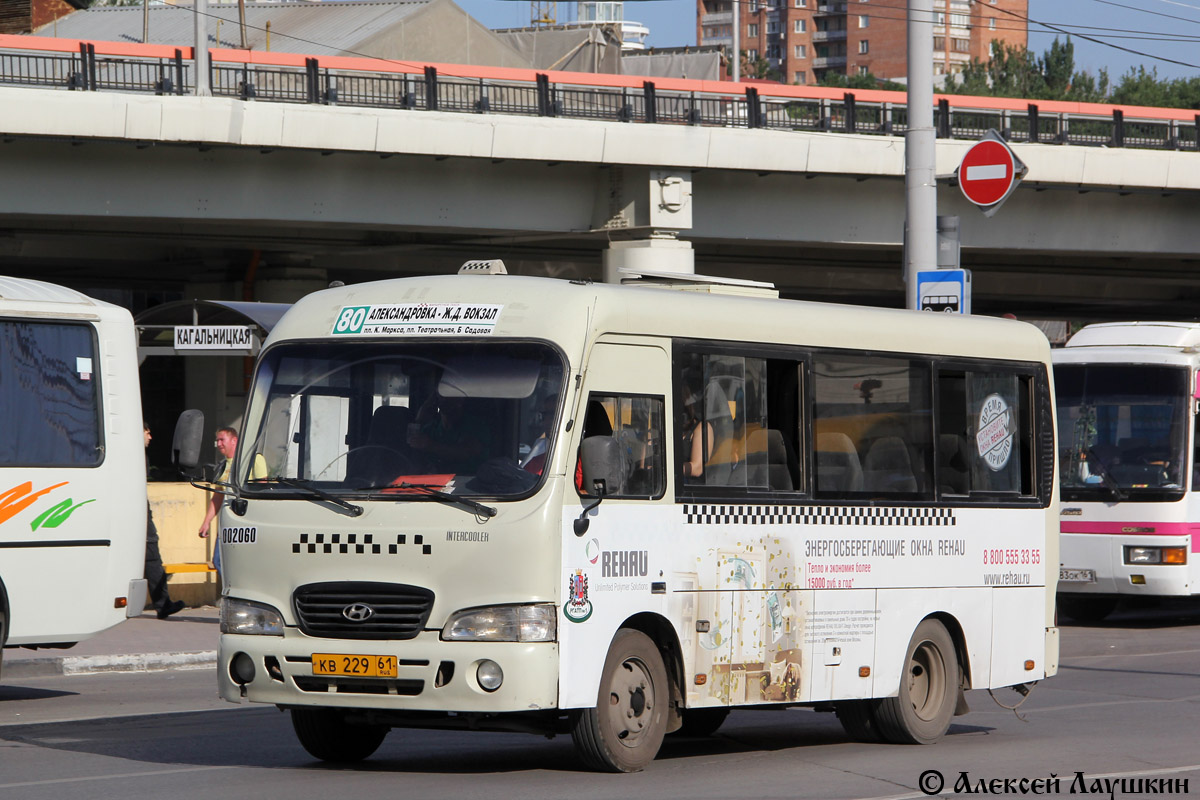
[[313, 493], [1109, 481], [431, 490]]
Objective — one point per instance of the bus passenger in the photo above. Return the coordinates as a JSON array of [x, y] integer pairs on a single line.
[[697, 436], [451, 440]]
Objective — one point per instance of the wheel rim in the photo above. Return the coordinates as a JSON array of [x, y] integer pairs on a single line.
[[927, 681], [631, 701]]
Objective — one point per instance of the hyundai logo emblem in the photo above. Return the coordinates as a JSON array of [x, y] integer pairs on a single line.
[[358, 612]]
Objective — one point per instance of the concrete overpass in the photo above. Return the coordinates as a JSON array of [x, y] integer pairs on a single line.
[[128, 189]]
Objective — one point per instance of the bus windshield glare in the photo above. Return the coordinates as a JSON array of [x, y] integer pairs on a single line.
[[1122, 429], [409, 420]]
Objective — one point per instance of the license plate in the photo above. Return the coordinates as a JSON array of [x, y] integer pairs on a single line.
[[353, 666], [1076, 575]]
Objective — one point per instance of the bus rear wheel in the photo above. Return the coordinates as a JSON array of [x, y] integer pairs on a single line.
[[922, 711], [625, 730], [326, 735]]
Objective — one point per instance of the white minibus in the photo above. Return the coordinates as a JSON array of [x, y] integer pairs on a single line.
[[72, 466], [1127, 397], [511, 503]]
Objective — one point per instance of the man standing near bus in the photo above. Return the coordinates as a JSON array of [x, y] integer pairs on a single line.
[[226, 443]]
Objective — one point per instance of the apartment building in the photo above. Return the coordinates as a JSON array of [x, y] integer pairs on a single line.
[[801, 40]]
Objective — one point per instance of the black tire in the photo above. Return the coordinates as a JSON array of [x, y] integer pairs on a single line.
[[326, 735], [858, 720], [701, 722], [1082, 608], [625, 730], [922, 711]]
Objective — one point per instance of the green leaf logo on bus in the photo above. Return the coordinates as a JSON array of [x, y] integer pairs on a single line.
[[19, 498]]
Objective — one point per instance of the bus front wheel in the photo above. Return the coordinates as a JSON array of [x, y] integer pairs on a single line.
[[326, 735], [626, 728], [921, 712]]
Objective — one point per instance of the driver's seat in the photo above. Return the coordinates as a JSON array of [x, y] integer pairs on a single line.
[[385, 453]]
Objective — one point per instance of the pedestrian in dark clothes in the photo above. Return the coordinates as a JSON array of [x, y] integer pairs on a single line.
[[156, 576]]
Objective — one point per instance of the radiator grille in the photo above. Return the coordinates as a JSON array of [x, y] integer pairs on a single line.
[[336, 610]]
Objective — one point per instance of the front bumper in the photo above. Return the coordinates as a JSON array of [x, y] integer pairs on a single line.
[[433, 675], [1106, 555]]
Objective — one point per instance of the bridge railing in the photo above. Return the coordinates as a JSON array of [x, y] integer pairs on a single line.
[[381, 83]]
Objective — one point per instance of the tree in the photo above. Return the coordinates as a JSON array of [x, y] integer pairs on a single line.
[[863, 81], [1015, 72]]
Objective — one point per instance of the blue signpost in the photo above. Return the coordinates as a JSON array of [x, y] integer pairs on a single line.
[[944, 290]]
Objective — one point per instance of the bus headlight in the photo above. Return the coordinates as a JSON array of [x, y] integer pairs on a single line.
[[1155, 555], [532, 623], [251, 619]]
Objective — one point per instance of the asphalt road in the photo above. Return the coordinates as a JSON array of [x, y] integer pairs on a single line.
[[1125, 703]]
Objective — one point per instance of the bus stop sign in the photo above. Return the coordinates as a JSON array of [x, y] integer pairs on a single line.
[[944, 290], [989, 172]]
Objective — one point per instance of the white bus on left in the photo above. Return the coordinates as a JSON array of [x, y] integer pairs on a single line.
[[72, 467]]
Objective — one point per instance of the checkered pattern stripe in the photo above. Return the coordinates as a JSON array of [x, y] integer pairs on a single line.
[[354, 543], [705, 514]]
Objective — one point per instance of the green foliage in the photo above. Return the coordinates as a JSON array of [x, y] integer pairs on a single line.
[[867, 81], [758, 68], [1015, 72], [1141, 88]]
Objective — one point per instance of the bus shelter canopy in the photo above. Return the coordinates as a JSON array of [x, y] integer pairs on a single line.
[[206, 327]]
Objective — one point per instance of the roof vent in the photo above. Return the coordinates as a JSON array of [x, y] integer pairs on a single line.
[[492, 266], [689, 282]]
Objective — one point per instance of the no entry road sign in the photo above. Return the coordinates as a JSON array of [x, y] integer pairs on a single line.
[[989, 172]]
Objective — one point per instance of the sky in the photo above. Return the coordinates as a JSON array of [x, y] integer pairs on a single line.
[[1165, 28]]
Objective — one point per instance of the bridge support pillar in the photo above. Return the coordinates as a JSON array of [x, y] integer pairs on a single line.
[[662, 252]]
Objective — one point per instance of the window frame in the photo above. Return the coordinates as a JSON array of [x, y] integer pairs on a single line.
[[699, 492], [1036, 419], [666, 449], [97, 390]]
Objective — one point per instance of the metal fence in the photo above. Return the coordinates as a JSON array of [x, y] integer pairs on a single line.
[[433, 92]]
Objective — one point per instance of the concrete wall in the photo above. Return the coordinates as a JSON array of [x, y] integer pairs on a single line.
[[178, 510]]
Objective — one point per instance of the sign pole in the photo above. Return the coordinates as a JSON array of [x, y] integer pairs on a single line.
[[920, 181]]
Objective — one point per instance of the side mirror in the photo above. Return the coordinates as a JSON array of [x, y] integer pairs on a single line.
[[189, 432], [603, 463], [603, 470]]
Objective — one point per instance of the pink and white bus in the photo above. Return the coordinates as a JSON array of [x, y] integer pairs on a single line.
[[1127, 397]]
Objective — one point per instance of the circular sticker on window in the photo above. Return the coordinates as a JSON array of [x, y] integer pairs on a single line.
[[994, 441]]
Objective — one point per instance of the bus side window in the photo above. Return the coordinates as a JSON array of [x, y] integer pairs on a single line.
[[872, 421], [631, 426], [739, 422], [1196, 457]]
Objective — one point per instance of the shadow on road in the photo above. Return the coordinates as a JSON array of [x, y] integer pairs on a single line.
[[263, 738]]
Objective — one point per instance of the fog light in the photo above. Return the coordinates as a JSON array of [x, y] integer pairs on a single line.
[[241, 669], [1137, 580], [489, 675]]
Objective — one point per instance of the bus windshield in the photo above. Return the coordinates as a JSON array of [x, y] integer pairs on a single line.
[[1122, 431], [402, 420]]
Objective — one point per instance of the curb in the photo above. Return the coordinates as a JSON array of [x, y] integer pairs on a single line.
[[84, 665]]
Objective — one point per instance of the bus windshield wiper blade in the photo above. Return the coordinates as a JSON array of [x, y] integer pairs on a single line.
[[1109, 481], [431, 491], [313, 493]]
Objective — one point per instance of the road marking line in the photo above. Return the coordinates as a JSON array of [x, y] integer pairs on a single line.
[[120, 776]]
